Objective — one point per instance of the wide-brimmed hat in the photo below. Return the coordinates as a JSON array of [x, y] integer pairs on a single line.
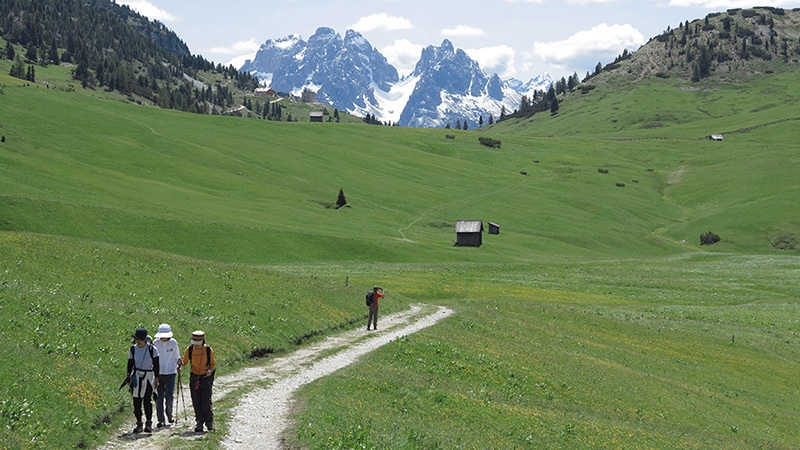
[[199, 335], [164, 331], [140, 334]]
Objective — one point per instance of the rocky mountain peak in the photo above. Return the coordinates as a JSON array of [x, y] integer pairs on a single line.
[[351, 75]]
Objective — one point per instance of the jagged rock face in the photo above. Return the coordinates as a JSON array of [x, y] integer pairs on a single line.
[[449, 78], [350, 68], [341, 70], [349, 74], [277, 56]]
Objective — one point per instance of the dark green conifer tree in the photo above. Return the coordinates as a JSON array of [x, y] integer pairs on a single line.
[[18, 68], [554, 106]]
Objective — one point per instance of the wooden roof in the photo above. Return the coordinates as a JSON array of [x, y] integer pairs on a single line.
[[469, 226]]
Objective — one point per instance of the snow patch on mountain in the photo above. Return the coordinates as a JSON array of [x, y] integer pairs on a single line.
[[391, 104]]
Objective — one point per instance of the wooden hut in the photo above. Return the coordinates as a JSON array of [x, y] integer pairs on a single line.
[[316, 116], [494, 228], [469, 233]]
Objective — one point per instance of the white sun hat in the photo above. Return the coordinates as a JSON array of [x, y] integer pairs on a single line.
[[164, 331]]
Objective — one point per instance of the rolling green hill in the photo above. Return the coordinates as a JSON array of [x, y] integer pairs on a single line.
[[750, 78], [594, 319]]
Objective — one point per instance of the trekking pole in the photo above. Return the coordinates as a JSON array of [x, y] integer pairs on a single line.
[[183, 400]]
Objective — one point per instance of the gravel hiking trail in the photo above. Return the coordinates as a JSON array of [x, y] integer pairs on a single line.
[[261, 416]]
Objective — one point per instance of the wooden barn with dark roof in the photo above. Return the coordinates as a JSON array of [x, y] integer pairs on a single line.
[[469, 233]]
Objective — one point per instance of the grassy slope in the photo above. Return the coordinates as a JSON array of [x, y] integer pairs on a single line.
[[585, 305], [139, 176]]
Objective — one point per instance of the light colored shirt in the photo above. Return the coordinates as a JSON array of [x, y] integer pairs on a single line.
[[168, 355], [141, 357]]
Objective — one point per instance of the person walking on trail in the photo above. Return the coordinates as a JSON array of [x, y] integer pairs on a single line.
[[143, 371], [168, 355], [200, 358], [372, 302]]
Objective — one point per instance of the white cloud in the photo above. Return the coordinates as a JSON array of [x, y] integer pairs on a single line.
[[381, 21], [498, 59], [238, 61], [237, 48], [148, 10], [403, 55], [574, 2], [463, 31], [242, 51], [726, 4], [599, 44]]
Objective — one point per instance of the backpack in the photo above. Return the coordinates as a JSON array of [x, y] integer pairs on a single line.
[[370, 298], [208, 356], [133, 380], [149, 347]]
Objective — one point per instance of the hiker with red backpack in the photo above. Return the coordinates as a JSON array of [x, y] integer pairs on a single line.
[[372, 302], [200, 357]]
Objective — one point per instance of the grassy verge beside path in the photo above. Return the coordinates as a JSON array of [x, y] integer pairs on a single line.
[[697, 352], [69, 308]]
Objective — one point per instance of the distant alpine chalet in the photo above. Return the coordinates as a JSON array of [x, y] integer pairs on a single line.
[[447, 87]]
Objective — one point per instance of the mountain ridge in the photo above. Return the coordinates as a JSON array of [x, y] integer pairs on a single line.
[[445, 88]]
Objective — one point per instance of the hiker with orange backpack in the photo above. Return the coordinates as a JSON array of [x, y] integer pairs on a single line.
[[200, 357]]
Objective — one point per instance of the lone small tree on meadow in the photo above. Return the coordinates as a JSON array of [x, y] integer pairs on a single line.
[[709, 238], [341, 201]]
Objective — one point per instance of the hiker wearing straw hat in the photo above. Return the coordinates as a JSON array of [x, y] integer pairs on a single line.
[[168, 354], [143, 367], [200, 358]]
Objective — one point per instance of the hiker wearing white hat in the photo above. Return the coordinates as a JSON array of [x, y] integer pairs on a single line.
[[169, 354]]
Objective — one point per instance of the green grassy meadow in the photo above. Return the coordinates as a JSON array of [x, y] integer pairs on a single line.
[[595, 319]]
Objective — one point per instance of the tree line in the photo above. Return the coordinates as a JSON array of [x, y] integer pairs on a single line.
[[112, 47]]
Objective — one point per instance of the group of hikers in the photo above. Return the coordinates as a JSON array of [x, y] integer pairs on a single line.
[[153, 365]]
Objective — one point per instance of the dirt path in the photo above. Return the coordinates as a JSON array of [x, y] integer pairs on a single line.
[[261, 416]]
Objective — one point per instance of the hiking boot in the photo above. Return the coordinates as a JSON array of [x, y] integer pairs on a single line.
[[160, 425], [148, 427], [210, 426], [198, 428], [138, 428], [170, 419]]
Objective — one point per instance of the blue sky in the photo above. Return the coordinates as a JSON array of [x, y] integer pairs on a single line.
[[518, 38]]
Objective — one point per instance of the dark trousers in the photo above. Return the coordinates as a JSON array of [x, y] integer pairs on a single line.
[[372, 318], [201, 398], [166, 393], [148, 405]]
